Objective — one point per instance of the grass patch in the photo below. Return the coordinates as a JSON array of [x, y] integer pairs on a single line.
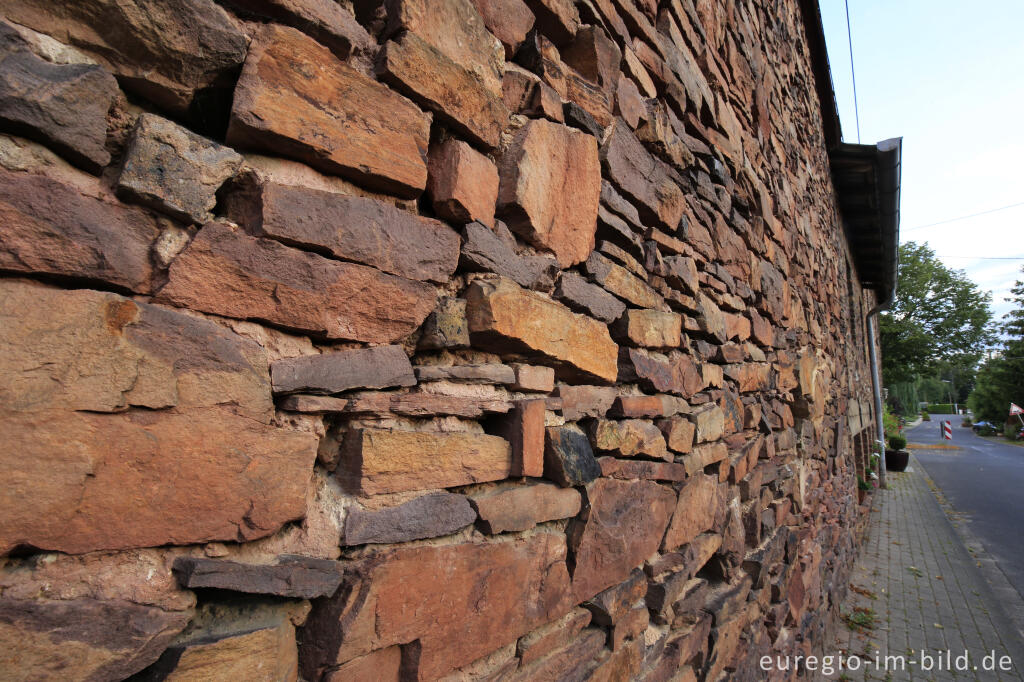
[[861, 619], [863, 591]]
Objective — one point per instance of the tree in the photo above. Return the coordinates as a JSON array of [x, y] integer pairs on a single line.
[[939, 322], [1000, 380]]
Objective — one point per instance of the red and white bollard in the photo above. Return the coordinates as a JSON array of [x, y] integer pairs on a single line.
[[947, 430]]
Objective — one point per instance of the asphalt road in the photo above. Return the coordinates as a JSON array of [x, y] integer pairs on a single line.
[[984, 483]]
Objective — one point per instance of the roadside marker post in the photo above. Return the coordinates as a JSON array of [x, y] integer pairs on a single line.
[[947, 430]]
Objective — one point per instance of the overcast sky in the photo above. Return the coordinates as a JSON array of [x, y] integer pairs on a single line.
[[949, 77]]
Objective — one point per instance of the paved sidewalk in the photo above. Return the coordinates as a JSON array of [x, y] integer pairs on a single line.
[[916, 591]]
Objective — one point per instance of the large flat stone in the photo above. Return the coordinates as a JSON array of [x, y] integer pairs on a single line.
[[642, 177], [429, 516], [297, 99], [590, 299], [523, 507], [700, 502], [51, 227], [462, 182], [568, 457], [377, 461], [351, 228], [379, 367], [505, 317], [675, 373], [228, 273], [493, 593], [292, 576], [494, 251], [550, 189]]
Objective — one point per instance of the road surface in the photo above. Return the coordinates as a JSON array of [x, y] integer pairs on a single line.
[[984, 483]]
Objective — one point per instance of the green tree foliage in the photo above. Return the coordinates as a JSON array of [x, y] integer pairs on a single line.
[[939, 322], [1000, 380]]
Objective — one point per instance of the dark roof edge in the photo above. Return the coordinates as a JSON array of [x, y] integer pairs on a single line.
[[815, 32], [890, 159]]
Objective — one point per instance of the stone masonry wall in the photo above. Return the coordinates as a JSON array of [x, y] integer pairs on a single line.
[[420, 339]]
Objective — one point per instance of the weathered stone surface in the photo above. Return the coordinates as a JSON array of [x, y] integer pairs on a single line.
[[293, 576], [173, 170], [503, 316], [700, 501], [351, 228], [709, 422], [629, 438], [265, 653], [479, 610], [679, 433], [557, 19], [610, 605], [750, 376], [508, 20], [585, 401], [711, 319], [235, 479], [64, 106], [649, 328], [494, 251], [383, 664], [573, 661], [554, 635], [627, 469], [446, 327], [227, 273], [624, 525], [522, 508], [645, 179], [429, 516], [649, 406], [327, 114], [380, 367], [462, 182], [568, 458], [455, 94], [594, 56], [704, 455], [376, 461], [82, 639], [523, 428], [534, 378], [484, 374], [52, 227], [624, 635], [676, 373], [621, 282], [681, 272], [587, 298], [402, 404], [148, 44], [550, 189]]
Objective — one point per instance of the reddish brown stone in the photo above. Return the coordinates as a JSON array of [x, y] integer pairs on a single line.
[[624, 526], [293, 576], [380, 367], [227, 273], [642, 177], [554, 635], [644, 406], [639, 468], [629, 104], [632, 624], [523, 428], [679, 433], [384, 665], [494, 251], [351, 228], [83, 639], [621, 282], [574, 661], [327, 114], [750, 376], [709, 422], [676, 374], [428, 516], [587, 298], [508, 20], [522, 508], [649, 328], [391, 404], [64, 106], [534, 378], [609, 606], [568, 457], [585, 401], [493, 373], [700, 502], [557, 19], [594, 56], [462, 183], [681, 272], [53, 228], [550, 188], [702, 456], [761, 329], [504, 317], [478, 610], [376, 461], [629, 438], [149, 46]]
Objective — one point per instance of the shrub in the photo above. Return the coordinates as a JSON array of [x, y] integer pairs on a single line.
[[941, 408], [925, 417], [1010, 431], [986, 431], [967, 422], [897, 442]]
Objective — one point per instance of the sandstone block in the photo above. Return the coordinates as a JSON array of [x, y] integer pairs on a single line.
[[750, 376], [64, 106], [401, 404], [495, 251], [554, 635], [485, 374], [534, 378], [679, 433], [455, 94], [568, 458], [52, 228], [709, 422], [376, 461], [629, 438], [550, 189], [610, 605], [585, 401], [676, 373], [503, 316], [429, 516], [573, 661], [508, 20], [624, 526], [462, 182], [380, 367], [523, 428], [700, 502], [648, 406], [594, 56], [173, 170], [681, 272], [227, 273], [383, 664], [557, 19], [645, 179], [351, 228], [97, 640], [148, 45], [628, 469], [293, 576], [266, 653], [587, 298], [622, 283], [479, 610], [704, 455], [649, 328], [522, 508], [446, 327], [327, 114]]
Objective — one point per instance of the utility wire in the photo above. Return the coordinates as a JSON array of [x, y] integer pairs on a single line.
[[986, 257], [853, 74], [964, 217]]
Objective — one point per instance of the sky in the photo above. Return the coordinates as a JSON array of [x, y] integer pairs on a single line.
[[947, 76]]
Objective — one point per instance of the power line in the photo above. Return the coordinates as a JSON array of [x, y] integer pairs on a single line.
[[986, 257], [853, 74], [965, 217]]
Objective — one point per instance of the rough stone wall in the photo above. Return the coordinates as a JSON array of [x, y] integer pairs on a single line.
[[492, 339]]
